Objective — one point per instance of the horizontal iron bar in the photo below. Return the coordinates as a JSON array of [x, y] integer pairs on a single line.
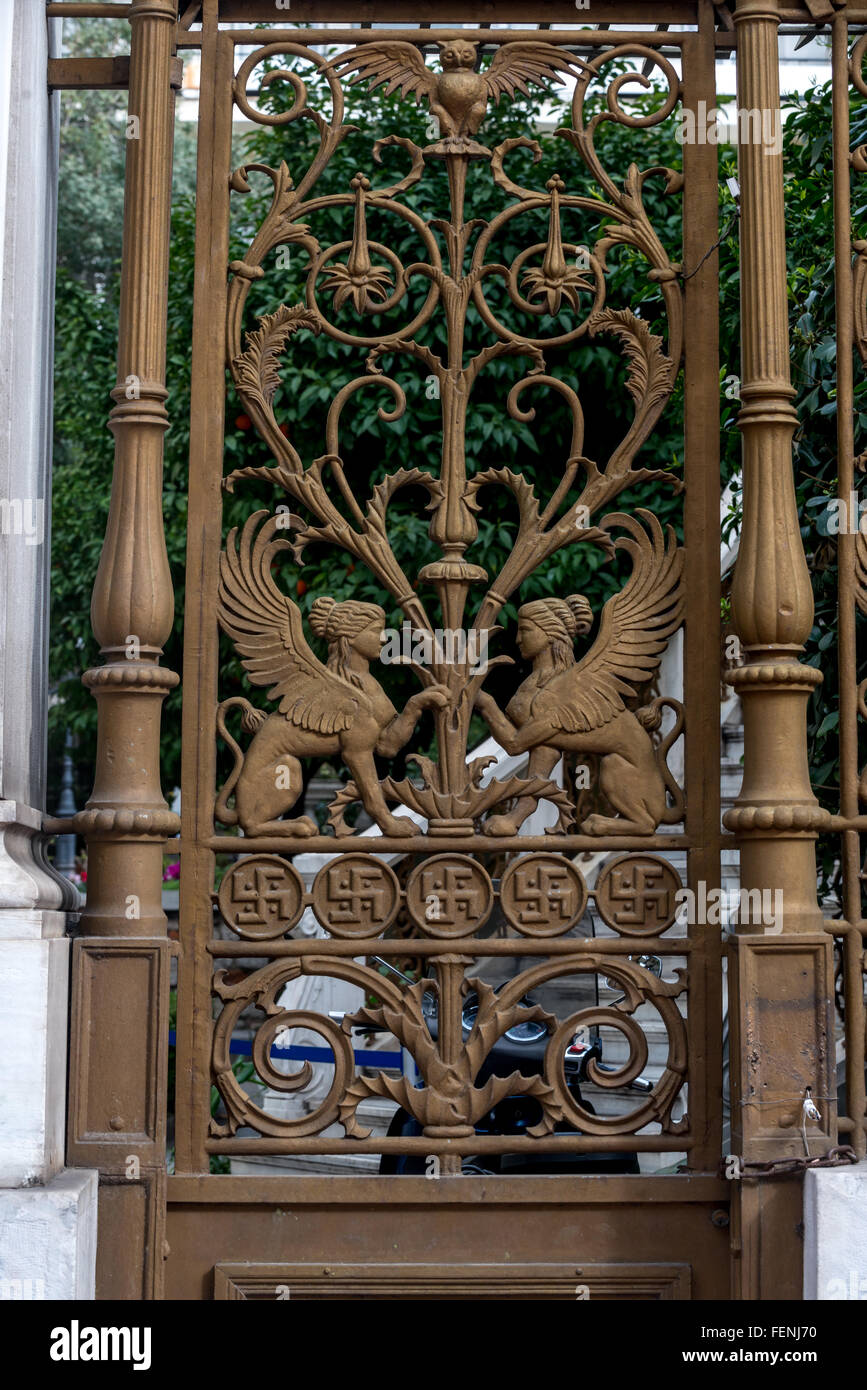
[[67, 9], [90, 74], [364, 1057], [576, 38], [672, 49], [99, 74], [437, 844], [576, 1189], [473, 1144], [800, 15], [841, 823], [465, 945], [836, 926]]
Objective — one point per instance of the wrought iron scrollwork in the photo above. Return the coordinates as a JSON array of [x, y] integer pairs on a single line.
[[449, 1103], [366, 277], [360, 293]]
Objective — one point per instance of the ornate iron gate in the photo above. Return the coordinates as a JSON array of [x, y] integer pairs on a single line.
[[462, 856]]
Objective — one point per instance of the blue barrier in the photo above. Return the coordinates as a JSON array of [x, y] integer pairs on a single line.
[[364, 1057]]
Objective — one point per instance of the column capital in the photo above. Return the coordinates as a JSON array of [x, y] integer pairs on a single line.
[[153, 9]]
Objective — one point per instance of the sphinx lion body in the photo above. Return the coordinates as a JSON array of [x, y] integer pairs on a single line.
[[267, 780]]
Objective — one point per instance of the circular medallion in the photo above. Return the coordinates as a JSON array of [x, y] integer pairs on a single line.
[[261, 897], [449, 895], [636, 895], [543, 894], [356, 895]]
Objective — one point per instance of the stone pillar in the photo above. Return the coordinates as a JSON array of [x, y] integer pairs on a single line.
[[780, 973], [47, 1215]]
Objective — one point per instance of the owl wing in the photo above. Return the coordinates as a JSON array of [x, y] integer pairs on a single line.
[[636, 625], [395, 64], [517, 64], [268, 634]]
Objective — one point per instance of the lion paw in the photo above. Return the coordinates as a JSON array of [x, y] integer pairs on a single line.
[[303, 826], [501, 826], [399, 826]]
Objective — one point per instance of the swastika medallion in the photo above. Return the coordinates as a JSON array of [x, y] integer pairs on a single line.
[[449, 895], [261, 897], [636, 895], [356, 895], [543, 894]]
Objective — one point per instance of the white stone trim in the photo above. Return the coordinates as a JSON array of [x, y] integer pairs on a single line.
[[835, 1234]]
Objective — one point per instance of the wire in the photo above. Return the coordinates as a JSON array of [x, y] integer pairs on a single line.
[[725, 232], [780, 1100]]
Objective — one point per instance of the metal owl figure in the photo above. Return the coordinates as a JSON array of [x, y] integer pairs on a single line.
[[458, 96]]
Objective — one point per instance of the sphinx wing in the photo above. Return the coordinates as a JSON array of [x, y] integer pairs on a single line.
[[266, 628], [517, 64], [394, 64], [636, 625]]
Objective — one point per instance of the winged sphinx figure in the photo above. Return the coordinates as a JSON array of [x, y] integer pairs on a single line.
[[458, 96], [336, 708], [580, 707]]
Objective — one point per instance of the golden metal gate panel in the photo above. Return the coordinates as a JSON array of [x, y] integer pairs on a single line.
[[460, 861], [336, 708]]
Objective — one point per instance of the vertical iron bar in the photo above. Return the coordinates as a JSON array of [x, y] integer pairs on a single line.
[[702, 631], [201, 641], [846, 655]]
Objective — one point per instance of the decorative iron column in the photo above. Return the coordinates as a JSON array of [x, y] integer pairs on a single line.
[[117, 1115], [780, 967]]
